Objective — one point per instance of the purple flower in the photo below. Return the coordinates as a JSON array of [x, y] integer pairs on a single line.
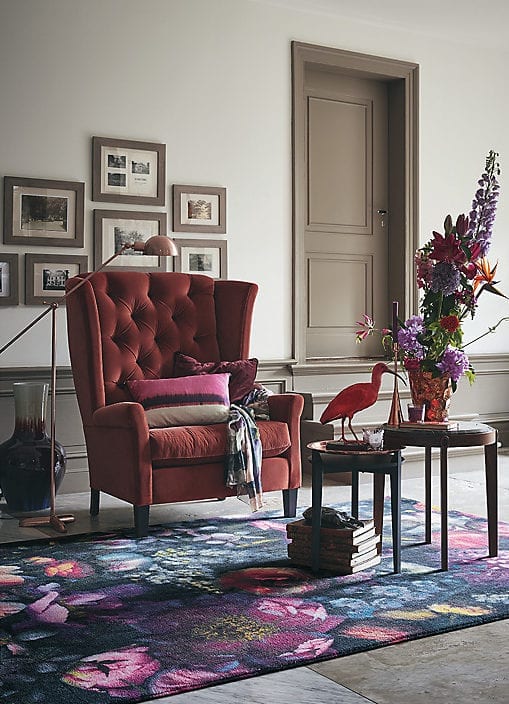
[[446, 278], [484, 205], [415, 323], [454, 362], [407, 337]]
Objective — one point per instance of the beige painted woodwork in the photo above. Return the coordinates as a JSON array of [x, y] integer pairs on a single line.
[[346, 240]]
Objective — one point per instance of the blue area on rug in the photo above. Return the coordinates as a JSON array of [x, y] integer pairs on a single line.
[[109, 618]]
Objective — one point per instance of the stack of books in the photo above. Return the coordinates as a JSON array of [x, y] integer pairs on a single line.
[[342, 550], [431, 424]]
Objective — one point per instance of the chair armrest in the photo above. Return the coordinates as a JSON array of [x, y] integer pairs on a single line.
[[126, 414], [288, 409], [285, 407], [118, 445]]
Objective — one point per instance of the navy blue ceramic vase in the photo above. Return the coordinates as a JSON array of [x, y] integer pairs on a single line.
[[25, 461]]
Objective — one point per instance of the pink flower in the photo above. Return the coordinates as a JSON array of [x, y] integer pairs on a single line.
[[292, 613], [312, 648], [424, 269], [173, 681], [9, 576], [115, 672], [47, 611]]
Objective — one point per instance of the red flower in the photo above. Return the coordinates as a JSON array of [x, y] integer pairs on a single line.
[[447, 249], [450, 323], [411, 364]]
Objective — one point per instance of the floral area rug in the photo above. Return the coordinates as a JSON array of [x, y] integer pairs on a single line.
[[113, 619]]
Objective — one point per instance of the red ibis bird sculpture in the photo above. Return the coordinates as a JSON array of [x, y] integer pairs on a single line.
[[356, 398]]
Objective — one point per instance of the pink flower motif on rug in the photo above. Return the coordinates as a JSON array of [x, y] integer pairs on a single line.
[[115, 672]]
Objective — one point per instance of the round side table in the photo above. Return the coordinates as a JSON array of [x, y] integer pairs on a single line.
[[464, 435], [377, 462]]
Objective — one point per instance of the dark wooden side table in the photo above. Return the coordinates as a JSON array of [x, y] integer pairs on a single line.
[[377, 462], [465, 435]]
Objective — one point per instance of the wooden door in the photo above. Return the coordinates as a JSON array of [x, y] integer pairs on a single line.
[[347, 226], [347, 223]]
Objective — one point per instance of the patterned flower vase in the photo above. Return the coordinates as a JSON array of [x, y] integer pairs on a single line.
[[434, 393], [25, 462]]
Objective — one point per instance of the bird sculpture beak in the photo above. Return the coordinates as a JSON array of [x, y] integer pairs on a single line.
[[398, 375]]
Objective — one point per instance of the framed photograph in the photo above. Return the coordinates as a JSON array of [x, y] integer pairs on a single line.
[[114, 228], [9, 279], [128, 171], [43, 211], [199, 209], [45, 275], [207, 257]]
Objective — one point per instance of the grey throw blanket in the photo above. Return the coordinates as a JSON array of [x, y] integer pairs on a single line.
[[244, 448]]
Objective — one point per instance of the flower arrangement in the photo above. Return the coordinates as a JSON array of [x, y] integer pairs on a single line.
[[452, 271]]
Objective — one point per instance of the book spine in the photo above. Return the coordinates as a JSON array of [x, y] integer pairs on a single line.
[[331, 558], [334, 545]]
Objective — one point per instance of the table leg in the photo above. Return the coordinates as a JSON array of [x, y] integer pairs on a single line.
[[444, 538], [316, 508], [355, 493], [427, 494], [378, 505], [396, 514], [491, 470]]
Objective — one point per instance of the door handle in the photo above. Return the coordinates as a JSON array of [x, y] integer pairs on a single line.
[[382, 214]]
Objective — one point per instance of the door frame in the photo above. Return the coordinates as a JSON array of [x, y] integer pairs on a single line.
[[402, 79]]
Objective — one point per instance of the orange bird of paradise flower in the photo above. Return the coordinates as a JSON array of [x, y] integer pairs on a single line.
[[485, 278]]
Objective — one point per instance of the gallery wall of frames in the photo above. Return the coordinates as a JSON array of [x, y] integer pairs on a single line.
[[43, 216]]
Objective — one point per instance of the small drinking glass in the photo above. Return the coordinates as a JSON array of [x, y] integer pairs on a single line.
[[374, 437], [415, 413]]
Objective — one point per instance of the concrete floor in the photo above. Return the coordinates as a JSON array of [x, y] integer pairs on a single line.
[[471, 664]]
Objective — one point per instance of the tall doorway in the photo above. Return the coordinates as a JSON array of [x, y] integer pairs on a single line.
[[355, 195]]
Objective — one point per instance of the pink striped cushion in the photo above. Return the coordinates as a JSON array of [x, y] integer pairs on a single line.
[[188, 400]]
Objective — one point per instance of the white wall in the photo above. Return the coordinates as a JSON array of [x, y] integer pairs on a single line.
[[211, 79]]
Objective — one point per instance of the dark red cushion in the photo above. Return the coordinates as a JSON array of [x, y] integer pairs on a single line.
[[242, 371], [200, 444]]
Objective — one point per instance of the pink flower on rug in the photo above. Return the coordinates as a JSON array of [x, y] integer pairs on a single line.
[[174, 681], [293, 645], [9, 576], [294, 613], [116, 672], [47, 611], [267, 580], [312, 648], [467, 539]]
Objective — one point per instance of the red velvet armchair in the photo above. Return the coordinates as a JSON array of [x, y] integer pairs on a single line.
[[128, 325]]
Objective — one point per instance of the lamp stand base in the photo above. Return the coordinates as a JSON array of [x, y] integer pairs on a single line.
[[52, 521]]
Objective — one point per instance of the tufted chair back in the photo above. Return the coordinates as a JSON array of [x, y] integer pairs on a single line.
[[128, 325]]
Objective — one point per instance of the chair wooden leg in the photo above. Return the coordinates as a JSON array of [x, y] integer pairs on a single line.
[[290, 502], [141, 516], [94, 502]]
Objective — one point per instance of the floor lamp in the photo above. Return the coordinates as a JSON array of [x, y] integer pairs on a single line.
[[158, 245]]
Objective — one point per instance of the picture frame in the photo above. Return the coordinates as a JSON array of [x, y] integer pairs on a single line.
[[9, 294], [128, 171], [43, 212], [197, 256], [46, 274], [113, 228], [199, 209]]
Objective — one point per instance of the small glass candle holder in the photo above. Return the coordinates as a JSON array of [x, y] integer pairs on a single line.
[[415, 413], [374, 437]]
